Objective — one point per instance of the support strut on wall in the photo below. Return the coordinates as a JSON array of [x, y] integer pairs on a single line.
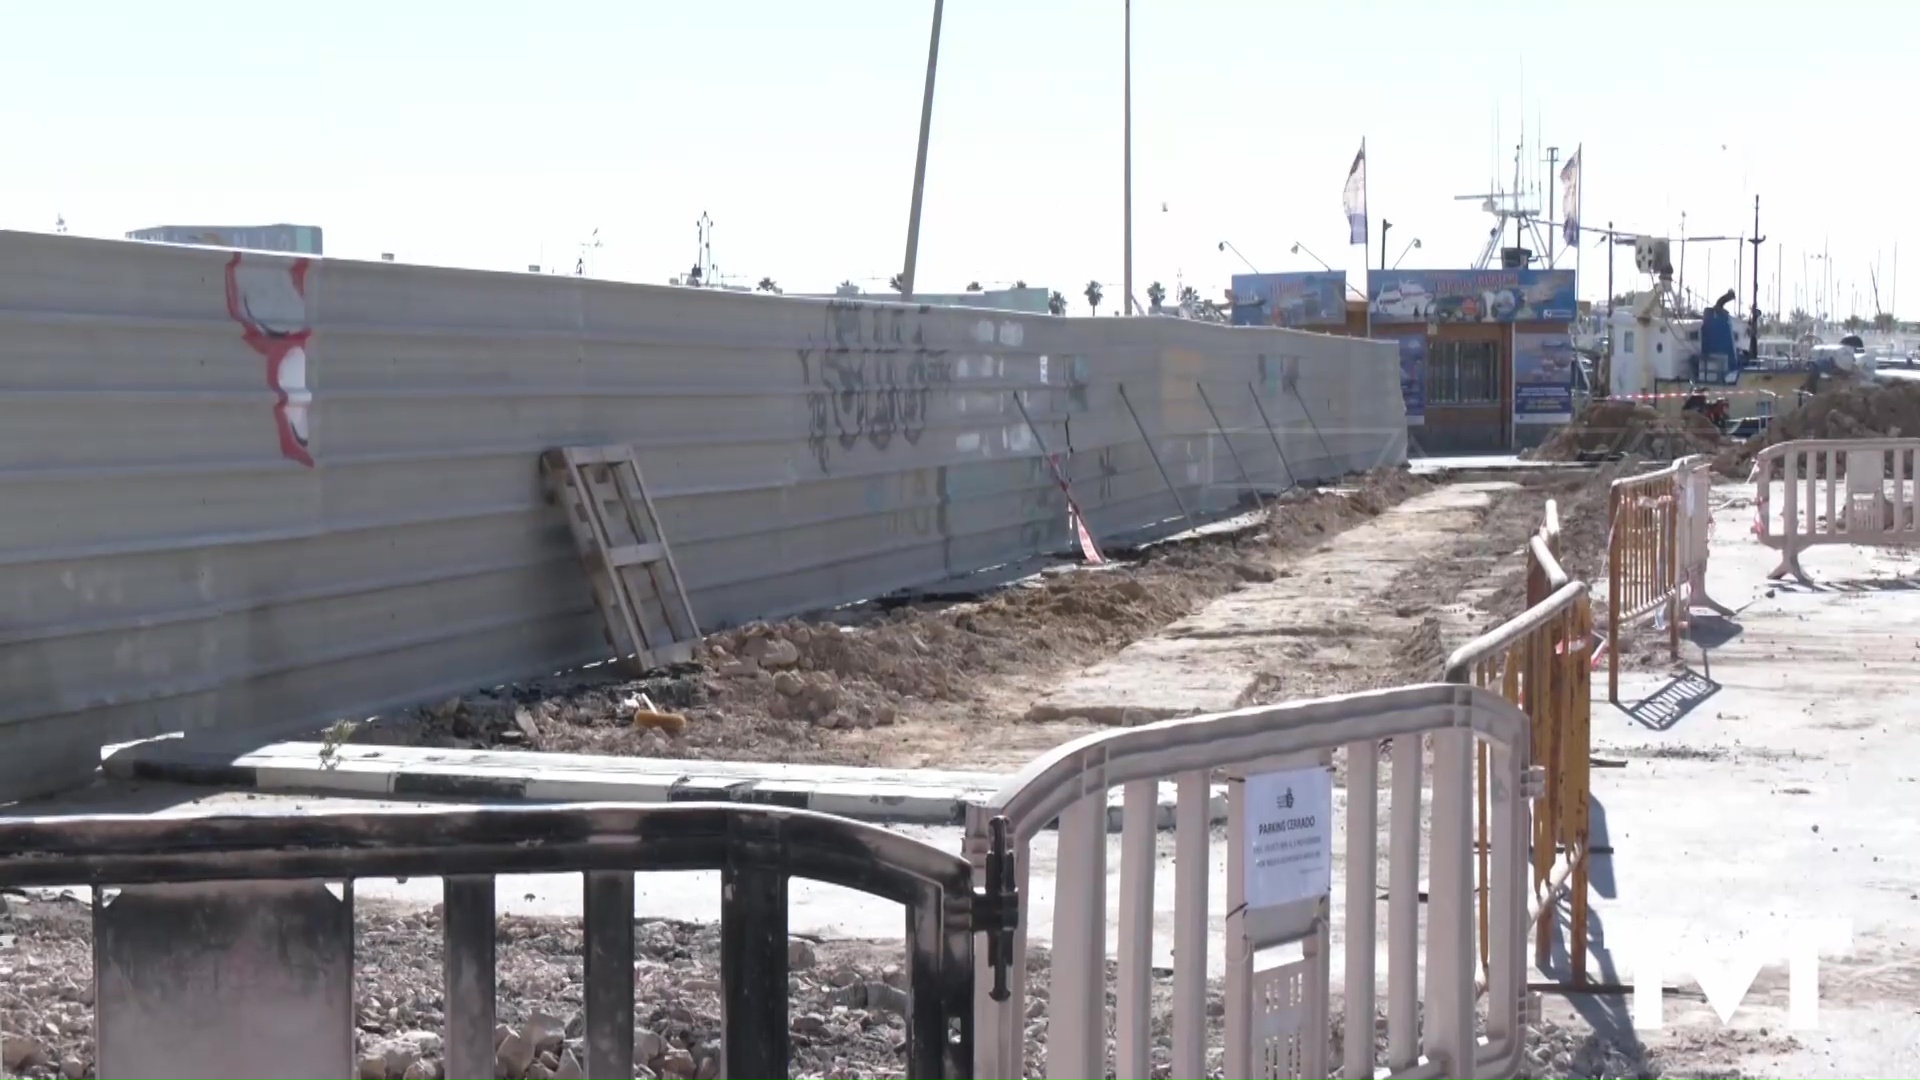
[[635, 582], [1308, 413], [1155, 454], [1292, 480], [1076, 521], [1245, 477]]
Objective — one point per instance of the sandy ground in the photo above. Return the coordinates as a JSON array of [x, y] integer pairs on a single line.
[[964, 684], [931, 683]]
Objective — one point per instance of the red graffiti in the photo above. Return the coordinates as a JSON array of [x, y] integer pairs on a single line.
[[269, 301]]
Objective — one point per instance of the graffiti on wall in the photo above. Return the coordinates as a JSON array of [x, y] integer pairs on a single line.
[[1281, 373], [268, 298], [870, 378]]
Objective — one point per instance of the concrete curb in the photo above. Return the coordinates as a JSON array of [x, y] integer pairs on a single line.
[[882, 796]]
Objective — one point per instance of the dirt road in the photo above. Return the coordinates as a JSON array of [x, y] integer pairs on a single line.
[[1364, 585]]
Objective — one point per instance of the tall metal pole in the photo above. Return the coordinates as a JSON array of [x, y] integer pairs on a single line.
[[1683, 259], [1613, 244], [1756, 242], [920, 163], [1126, 183], [1553, 177], [1366, 279]]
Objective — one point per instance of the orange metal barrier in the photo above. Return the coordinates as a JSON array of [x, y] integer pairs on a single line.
[[1659, 525], [1540, 661], [1641, 562]]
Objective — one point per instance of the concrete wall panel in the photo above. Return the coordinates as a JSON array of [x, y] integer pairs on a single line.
[[258, 493]]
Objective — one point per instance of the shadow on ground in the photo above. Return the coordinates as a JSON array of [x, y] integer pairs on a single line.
[[1672, 703], [1857, 585], [1712, 631]]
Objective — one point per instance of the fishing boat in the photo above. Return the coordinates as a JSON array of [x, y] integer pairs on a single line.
[[1665, 359]]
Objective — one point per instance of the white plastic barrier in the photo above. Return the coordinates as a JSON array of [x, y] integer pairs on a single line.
[[1277, 1018], [1836, 491]]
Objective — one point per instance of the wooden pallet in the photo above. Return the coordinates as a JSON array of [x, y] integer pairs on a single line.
[[636, 585]]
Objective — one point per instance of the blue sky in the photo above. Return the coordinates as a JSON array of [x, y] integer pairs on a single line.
[[496, 134]]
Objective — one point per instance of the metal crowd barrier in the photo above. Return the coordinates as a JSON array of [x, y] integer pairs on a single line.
[[223, 943], [1660, 524], [1836, 491], [1276, 1018], [1541, 662]]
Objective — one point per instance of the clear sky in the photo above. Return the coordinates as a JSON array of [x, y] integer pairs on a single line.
[[496, 134]]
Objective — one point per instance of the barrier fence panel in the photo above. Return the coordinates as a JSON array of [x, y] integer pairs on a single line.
[[1541, 662], [1660, 524], [1694, 524], [1277, 761], [223, 944], [1836, 491]]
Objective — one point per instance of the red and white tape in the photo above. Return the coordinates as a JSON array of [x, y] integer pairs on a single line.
[[1698, 393]]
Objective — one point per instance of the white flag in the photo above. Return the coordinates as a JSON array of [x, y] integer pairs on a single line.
[[1356, 197], [1570, 199]]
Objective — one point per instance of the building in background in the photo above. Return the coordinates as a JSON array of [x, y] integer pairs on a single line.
[[298, 239], [1487, 363], [1485, 354]]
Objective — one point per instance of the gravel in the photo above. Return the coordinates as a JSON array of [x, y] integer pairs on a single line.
[[847, 1004]]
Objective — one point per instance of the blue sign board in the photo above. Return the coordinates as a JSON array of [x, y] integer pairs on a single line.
[[1543, 366], [1295, 300], [1413, 376], [1470, 296]]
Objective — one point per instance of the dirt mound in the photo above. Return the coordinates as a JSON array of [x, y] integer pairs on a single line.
[[803, 690], [1614, 426], [1853, 409], [1581, 503]]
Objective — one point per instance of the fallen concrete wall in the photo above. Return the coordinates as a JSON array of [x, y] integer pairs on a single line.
[[257, 492]]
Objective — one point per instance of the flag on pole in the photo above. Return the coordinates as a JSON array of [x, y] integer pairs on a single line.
[[1356, 197], [1570, 199]]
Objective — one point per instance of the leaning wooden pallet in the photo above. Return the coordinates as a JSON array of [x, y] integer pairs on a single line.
[[649, 621]]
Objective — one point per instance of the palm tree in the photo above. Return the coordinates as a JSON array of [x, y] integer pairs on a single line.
[[1093, 295], [1156, 295], [1019, 284], [1189, 296], [973, 286], [1056, 303], [896, 285], [767, 285]]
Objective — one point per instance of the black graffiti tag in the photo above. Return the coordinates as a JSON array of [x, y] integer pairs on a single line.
[[871, 379]]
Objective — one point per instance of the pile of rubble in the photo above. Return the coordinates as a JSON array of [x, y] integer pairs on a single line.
[[1613, 427], [1850, 409]]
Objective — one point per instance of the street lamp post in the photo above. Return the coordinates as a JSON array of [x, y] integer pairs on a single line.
[[1225, 246], [1403, 253], [1300, 248], [1384, 226], [920, 163]]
